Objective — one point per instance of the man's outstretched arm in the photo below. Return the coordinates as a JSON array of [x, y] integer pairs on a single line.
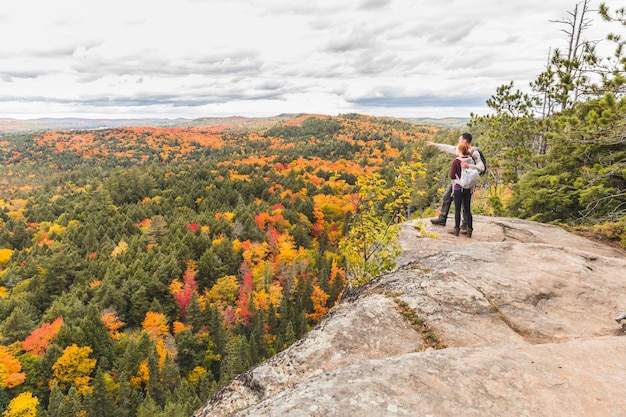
[[444, 147]]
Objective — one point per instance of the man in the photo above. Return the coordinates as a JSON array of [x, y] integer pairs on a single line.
[[447, 197]]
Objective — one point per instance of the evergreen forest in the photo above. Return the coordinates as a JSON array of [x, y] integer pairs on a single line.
[[142, 268]]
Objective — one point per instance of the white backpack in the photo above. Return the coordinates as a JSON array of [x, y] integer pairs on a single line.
[[469, 176]]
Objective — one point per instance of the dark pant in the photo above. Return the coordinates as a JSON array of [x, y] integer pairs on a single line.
[[462, 198], [447, 202]]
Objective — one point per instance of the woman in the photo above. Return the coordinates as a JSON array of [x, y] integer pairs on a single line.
[[461, 196]]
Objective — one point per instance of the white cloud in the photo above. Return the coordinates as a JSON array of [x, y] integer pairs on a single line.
[[197, 58]]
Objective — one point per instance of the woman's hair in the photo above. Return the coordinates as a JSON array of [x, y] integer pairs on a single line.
[[464, 148]]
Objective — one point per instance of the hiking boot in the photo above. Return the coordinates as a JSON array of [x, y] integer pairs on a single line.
[[468, 232], [454, 231], [439, 221]]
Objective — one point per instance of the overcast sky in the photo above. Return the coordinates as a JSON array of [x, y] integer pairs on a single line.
[[203, 58]]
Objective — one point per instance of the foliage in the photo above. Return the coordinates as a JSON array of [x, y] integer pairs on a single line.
[[561, 147], [112, 322], [39, 340], [73, 369], [24, 405], [5, 256], [10, 369], [371, 244], [585, 171], [183, 294], [156, 325]]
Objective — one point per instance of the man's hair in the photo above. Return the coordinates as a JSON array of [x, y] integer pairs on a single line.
[[467, 137]]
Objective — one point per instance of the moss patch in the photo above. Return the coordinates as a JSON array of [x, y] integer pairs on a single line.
[[429, 337]]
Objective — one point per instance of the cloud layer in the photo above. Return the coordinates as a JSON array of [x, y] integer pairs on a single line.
[[198, 58]]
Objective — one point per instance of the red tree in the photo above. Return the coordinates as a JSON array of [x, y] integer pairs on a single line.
[[243, 301], [39, 340], [190, 286]]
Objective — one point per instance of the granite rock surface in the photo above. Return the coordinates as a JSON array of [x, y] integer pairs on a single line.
[[518, 320]]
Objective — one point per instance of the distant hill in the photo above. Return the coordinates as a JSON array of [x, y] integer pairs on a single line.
[[18, 125], [238, 121], [8, 125], [448, 122]]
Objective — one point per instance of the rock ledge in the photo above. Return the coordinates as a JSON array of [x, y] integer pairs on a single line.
[[519, 320]]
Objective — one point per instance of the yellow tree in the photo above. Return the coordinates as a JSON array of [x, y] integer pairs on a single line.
[[141, 378], [371, 245], [73, 368], [10, 369], [319, 298], [24, 405], [156, 325], [119, 249], [112, 323], [224, 291], [5, 256]]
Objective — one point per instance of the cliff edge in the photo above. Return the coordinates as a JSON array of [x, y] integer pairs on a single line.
[[519, 320]]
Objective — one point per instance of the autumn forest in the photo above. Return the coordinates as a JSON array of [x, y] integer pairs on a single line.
[[143, 268]]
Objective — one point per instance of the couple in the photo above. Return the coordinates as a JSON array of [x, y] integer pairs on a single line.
[[469, 157]]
